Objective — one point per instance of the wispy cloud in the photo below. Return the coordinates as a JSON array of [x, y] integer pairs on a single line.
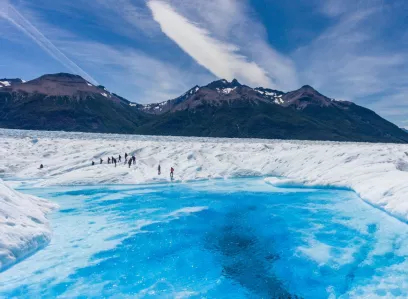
[[221, 58], [134, 74], [11, 14], [353, 60]]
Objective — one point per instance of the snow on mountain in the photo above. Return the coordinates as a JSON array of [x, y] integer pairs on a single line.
[[4, 83], [377, 172], [24, 227]]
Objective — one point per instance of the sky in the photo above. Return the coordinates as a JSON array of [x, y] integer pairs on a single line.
[[155, 50]]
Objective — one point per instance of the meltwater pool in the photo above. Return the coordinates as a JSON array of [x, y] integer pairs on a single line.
[[239, 238]]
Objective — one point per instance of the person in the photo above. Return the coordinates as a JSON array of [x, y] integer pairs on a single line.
[[41, 166], [134, 160], [93, 163], [126, 155], [101, 161], [171, 173], [114, 161], [130, 162], [159, 169], [120, 158], [108, 160]]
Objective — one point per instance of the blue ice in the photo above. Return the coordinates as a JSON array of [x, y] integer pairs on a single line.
[[215, 239]]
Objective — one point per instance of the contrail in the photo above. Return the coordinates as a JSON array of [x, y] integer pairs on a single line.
[[13, 16]]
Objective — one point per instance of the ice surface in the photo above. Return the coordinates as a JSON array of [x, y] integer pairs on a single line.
[[23, 225], [372, 170], [206, 239]]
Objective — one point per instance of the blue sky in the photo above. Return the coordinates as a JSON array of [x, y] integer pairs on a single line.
[[153, 50]]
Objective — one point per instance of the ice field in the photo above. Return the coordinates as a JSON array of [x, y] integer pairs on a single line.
[[238, 217]]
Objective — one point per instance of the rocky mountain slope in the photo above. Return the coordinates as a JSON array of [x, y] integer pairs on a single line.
[[65, 102], [219, 109]]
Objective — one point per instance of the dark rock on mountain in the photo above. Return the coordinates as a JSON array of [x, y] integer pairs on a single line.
[[219, 109]]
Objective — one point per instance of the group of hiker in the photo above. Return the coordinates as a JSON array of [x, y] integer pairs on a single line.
[[130, 161], [112, 160]]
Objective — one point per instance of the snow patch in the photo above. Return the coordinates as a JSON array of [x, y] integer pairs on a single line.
[[89, 84], [104, 94], [132, 104], [225, 90], [5, 83]]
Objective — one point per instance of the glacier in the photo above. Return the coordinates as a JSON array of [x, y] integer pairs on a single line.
[[378, 173], [24, 227]]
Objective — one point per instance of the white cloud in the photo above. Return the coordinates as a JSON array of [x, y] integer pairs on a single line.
[[221, 58], [11, 14]]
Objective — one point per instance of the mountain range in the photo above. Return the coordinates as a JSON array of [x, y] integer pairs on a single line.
[[220, 109]]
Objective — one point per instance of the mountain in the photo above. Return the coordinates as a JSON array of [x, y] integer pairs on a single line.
[[219, 109], [65, 102]]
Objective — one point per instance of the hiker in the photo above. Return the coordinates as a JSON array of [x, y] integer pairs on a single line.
[[108, 160], [130, 162], [41, 166], [159, 170], [101, 161], [126, 155], [93, 163], [171, 173], [134, 160], [114, 161], [120, 158]]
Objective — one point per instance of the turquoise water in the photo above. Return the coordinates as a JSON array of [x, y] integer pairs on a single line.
[[215, 239]]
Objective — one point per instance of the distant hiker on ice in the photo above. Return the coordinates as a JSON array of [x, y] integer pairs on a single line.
[[114, 161], [93, 163], [134, 160], [120, 158], [126, 155], [101, 161], [171, 173], [41, 166], [159, 170], [108, 160], [130, 162]]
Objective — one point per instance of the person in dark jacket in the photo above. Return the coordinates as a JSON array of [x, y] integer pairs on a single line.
[[41, 166], [108, 160], [130, 162], [101, 161], [171, 173], [159, 169], [93, 163], [134, 160], [114, 161], [120, 158], [126, 155]]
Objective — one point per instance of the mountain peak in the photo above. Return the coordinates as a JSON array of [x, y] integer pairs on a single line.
[[62, 77], [307, 87], [222, 83]]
